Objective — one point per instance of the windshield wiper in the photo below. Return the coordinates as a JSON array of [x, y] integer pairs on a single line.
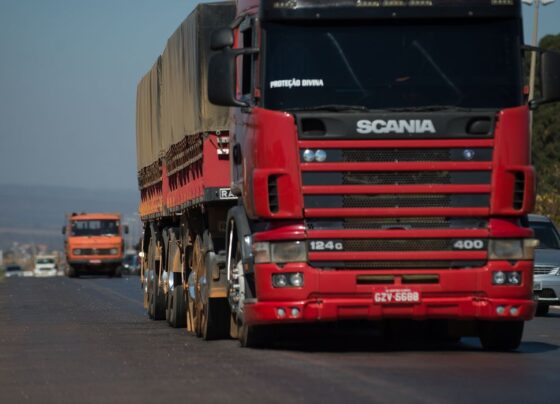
[[330, 107]]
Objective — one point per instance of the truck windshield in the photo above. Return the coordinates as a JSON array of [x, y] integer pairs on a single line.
[[95, 228], [393, 65]]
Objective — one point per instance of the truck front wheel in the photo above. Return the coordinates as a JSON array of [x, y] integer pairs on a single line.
[[72, 272], [501, 335]]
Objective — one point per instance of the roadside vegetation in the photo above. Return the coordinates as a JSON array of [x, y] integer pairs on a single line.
[[546, 149]]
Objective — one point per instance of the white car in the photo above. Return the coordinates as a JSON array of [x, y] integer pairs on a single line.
[[45, 265], [546, 280]]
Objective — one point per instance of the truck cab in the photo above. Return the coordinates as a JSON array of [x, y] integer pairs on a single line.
[[94, 243], [381, 154]]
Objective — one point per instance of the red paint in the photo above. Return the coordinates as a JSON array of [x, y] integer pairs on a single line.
[[328, 295]]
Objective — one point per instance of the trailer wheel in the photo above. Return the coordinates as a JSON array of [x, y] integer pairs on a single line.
[[501, 335], [156, 297], [191, 293], [177, 315], [197, 282]]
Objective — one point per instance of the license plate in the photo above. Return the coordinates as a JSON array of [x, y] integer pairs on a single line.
[[95, 261], [537, 286], [396, 296]]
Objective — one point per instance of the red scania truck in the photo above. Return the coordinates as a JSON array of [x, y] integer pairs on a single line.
[[317, 161]]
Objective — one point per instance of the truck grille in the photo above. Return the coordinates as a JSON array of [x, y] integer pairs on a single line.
[[543, 270], [396, 178], [93, 251], [390, 223], [397, 201], [546, 293], [402, 155], [378, 191], [398, 245]]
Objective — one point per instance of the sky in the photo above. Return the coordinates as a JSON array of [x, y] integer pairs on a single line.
[[68, 76]]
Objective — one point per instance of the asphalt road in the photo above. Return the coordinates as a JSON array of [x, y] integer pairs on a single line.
[[88, 340]]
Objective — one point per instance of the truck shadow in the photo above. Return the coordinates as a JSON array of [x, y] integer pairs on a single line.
[[367, 337]]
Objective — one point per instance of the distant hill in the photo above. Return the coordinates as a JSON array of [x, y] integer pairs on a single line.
[[35, 214]]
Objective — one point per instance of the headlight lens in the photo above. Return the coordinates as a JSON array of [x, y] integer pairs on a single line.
[[279, 280], [290, 251], [514, 278], [281, 252], [512, 249], [555, 271], [499, 278], [76, 251], [505, 249], [308, 156], [296, 279], [287, 280], [261, 252], [114, 251], [510, 278], [320, 156]]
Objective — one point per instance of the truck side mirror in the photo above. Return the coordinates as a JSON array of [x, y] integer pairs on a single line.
[[63, 229], [221, 77], [125, 229], [550, 77], [221, 38]]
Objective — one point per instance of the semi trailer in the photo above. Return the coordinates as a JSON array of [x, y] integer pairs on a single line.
[[307, 161]]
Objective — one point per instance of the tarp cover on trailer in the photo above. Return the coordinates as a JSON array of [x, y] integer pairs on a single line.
[[147, 119], [172, 99]]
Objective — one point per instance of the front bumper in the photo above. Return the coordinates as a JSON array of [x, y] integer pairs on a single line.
[[96, 264], [466, 294], [547, 289]]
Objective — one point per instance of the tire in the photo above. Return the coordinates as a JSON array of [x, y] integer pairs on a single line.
[[542, 309], [215, 320], [177, 308], [157, 302], [117, 273], [72, 272], [254, 336], [156, 296], [501, 335]]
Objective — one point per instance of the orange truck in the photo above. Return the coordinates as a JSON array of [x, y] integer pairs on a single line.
[[94, 244]]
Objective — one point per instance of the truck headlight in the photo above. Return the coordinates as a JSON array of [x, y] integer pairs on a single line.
[[288, 280], [113, 251], [510, 278], [279, 252], [288, 251], [512, 249], [76, 251]]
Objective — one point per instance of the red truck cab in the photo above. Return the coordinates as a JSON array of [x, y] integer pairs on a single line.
[[381, 151], [94, 244]]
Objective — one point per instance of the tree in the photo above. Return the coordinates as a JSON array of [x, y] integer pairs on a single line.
[[546, 149]]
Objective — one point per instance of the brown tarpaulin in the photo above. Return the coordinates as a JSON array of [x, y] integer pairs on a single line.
[[172, 99]]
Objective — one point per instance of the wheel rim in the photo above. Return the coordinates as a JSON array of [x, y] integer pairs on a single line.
[[199, 303], [235, 268]]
